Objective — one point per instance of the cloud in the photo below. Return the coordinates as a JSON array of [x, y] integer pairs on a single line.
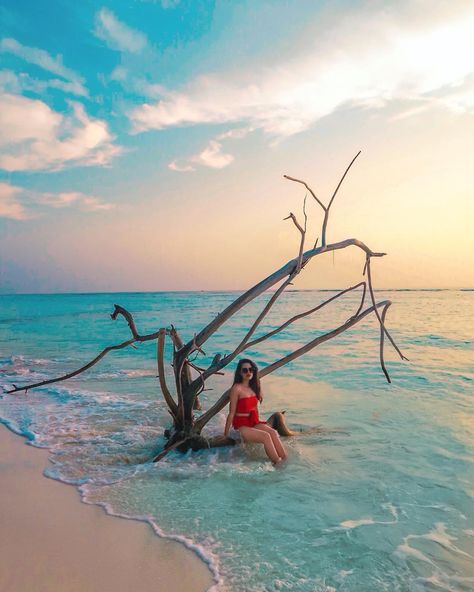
[[34, 137], [136, 84], [368, 60], [212, 155], [65, 199], [180, 168], [116, 34], [10, 206], [10, 82], [71, 82], [235, 134], [19, 203]]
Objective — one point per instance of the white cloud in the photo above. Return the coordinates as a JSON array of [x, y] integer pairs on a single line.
[[116, 34], [10, 82], [368, 59], [235, 134], [34, 137], [180, 168], [24, 119], [212, 156], [94, 204], [10, 206], [71, 83], [67, 198], [136, 84], [20, 203]]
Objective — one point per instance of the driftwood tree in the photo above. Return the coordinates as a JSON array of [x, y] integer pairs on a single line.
[[190, 378]]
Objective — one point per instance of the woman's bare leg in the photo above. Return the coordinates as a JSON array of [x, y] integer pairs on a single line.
[[275, 439], [261, 437]]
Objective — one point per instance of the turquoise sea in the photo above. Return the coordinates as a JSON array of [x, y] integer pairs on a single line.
[[378, 492]]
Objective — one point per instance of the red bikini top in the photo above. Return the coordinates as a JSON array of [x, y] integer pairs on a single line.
[[246, 404]]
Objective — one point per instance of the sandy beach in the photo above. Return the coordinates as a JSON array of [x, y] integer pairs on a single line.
[[50, 541]]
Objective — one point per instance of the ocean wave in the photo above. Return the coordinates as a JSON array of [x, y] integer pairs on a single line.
[[350, 524], [129, 373], [437, 535]]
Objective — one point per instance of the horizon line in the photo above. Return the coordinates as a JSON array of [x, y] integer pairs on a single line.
[[223, 291]]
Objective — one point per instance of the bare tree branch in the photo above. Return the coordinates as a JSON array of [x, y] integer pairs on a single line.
[[321, 339], [303, 234], [136, 337], [295, 221], [382, 333], [326, 214], [128, 317], [217, 363], [342, 179], [182, 371], [384, 328], [307, 187], [304, 314], [103, 353], [222, 363], [264, 285], [362, 300], [164, 452], [161, 373], [223, 400]]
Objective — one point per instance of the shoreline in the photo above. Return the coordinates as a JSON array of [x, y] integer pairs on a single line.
[[53, 541]]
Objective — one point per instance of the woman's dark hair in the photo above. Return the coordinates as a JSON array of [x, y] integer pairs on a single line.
[[254, 382]]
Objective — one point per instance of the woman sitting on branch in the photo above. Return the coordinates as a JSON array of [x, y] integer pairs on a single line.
[[245, 395]]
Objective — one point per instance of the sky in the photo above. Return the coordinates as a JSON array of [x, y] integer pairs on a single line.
[[143, 143]]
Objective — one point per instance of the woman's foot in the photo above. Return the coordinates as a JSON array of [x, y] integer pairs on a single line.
[[278, 462]]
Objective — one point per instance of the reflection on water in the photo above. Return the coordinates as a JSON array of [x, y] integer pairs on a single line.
[[378, 490]]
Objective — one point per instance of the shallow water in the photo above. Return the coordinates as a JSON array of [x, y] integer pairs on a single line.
[[378, 497]]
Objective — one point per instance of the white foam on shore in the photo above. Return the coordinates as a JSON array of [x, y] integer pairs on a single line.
[[30, 436], [204, 553]]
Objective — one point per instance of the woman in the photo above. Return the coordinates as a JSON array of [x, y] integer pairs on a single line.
[[245, 395]]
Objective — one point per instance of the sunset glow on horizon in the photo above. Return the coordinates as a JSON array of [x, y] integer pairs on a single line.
[[143, 147]]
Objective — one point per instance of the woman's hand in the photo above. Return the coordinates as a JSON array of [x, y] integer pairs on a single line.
[[233, 398]]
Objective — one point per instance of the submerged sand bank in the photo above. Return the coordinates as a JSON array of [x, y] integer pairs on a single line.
[[50, 541]]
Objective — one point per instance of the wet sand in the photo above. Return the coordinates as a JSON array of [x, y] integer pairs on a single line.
[[50, 541]]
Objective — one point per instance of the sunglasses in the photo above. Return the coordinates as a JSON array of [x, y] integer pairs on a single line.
[[246, 370]]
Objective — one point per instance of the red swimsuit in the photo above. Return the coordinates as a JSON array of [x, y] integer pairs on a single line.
[[246, 405]]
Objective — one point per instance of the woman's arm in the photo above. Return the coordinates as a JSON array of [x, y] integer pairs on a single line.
[[234, 395]]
